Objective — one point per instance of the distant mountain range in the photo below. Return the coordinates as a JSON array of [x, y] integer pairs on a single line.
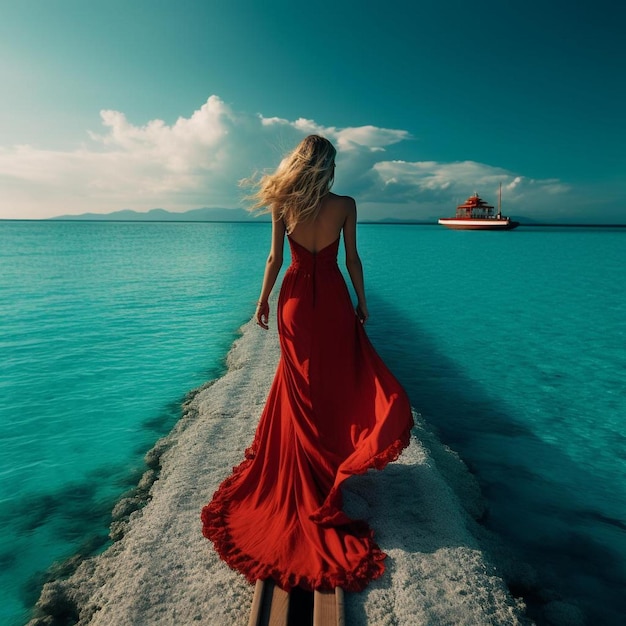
[[199, 215], [161, 215], [241, 215]]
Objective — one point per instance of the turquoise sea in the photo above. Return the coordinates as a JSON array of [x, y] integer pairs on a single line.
[[511, 345]]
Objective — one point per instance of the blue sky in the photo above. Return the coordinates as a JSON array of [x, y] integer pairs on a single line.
[[146, 103]]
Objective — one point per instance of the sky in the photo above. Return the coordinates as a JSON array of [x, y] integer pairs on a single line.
[[141, 104]]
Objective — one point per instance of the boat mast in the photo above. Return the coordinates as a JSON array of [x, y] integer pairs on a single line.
[[500, 202]]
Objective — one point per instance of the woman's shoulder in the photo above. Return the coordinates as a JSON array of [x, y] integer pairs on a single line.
[[346, 202]]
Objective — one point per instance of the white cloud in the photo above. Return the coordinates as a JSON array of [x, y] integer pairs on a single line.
[[426, 181], [198, 161], [352, 138]]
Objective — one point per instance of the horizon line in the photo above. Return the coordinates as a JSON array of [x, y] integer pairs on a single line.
[[252, 221]]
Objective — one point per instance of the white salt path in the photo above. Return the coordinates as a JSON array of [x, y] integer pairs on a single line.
[[163, 571]]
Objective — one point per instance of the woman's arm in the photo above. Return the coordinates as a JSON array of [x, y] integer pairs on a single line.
[[272, 267], [353, 261]]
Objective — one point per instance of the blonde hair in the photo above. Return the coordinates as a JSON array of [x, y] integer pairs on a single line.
[[302, 179]]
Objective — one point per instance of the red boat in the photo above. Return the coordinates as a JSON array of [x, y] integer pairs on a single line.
[[476, 214]]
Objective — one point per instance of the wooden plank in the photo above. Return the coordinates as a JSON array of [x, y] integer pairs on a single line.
[[328, 608], [279, 607], [324, 608], [270, 605], [257, 603], [340, 604]]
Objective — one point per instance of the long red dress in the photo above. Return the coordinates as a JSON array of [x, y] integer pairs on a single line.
[[334, 410]]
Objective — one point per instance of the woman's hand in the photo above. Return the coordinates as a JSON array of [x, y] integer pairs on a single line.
[[262, 313], [362, 313]]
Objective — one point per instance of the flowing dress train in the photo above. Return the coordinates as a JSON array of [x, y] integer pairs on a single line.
[[333, 410]]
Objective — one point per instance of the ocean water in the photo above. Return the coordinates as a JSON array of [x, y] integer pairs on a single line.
[[104, 329], [510, 344], [513, 345]]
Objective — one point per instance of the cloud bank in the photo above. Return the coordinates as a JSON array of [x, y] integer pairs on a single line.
[[198, 161]]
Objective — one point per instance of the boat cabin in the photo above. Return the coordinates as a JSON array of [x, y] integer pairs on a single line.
[[474, 208]]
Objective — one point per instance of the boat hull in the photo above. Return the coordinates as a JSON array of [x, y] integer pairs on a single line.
[[478, 224]]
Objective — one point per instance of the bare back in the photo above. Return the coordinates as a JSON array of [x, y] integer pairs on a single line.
[[317, 234], [336, 214]]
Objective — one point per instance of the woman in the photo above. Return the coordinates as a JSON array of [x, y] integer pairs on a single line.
[[333, 410]]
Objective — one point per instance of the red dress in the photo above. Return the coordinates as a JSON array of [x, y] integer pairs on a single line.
[[334, 410]]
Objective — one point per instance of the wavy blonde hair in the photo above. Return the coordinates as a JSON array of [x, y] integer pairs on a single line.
[[299, 183]]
